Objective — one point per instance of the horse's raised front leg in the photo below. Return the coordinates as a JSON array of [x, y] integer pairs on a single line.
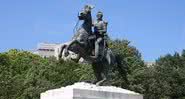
[[66, 53], [61, 49]]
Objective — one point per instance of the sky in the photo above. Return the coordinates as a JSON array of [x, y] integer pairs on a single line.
[[154, 27]]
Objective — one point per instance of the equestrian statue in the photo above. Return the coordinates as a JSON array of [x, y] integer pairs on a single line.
[[90, 43]]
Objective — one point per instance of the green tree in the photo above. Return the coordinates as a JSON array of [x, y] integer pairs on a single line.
[[130, 68], [168, 78], [25, 75]]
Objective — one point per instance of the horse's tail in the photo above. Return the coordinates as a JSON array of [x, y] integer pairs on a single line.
[[121, 67], [110, 57]]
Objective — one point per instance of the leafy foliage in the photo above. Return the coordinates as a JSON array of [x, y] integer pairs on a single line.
[[130, 65], [24, 75], [166, 79]]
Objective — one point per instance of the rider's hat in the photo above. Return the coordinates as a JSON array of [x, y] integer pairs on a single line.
[[100, 13]]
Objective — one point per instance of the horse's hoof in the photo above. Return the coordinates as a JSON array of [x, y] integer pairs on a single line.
[[100, 83]]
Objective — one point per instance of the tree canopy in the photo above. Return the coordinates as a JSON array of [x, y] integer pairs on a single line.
[[24, 75], [166, 79]]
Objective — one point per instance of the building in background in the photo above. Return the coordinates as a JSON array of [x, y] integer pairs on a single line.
[[149, 64], [48, 49]]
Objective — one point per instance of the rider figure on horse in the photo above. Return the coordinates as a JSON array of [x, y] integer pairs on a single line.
[[94, 41], [100, 30]]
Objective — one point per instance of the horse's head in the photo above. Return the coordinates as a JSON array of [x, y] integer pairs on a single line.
[[84, 14]]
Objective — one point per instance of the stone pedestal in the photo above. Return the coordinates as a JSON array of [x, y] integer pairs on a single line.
[[89, 91]]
